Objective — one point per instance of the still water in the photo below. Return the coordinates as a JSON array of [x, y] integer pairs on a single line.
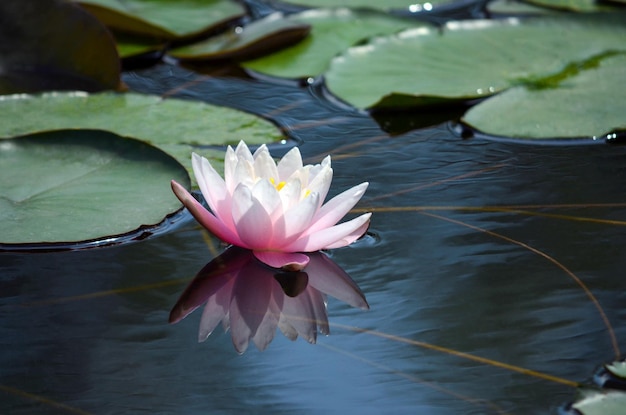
[[477, 249]]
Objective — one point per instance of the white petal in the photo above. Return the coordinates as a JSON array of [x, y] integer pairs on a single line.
[[268, 196], [243, 152], [290, 162], [230, 165], [264, 165], [244, 173], [291, 193], [320, 183], [253, 223], [298, 218]]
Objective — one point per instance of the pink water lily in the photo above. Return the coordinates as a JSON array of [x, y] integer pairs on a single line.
[[275, 210]]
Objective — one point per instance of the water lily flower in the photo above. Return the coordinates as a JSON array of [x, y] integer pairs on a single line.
[[275, 210]]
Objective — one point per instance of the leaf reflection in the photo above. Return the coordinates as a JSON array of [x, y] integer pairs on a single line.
[[252, 299]]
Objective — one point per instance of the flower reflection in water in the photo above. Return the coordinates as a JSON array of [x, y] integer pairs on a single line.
[[252, 299]]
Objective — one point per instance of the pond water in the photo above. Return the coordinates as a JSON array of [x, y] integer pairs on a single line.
[[476, 269]]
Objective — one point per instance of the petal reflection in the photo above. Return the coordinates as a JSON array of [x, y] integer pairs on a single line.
[[252, 300]]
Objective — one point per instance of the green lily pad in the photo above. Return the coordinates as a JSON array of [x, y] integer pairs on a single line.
[[370, 4], [333, 30], [39, 49], [617, 368], [468, 59], [588, 104], [600, 402], [164, 19], [131, 46], [176, 126], [82, 185], [571, 5], [258, 38], [517, 8]]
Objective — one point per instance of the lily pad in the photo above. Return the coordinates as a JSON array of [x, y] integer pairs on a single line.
[[617, 368], [333, 30], [81, 185], [258, 38], [466, 60], [164, 19], [132, 46], [39, 51], [600, 402], [176, 126], [571, 5], [585, 105], [370, 4]]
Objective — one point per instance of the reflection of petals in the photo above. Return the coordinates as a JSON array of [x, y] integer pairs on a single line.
[[251, 300], [328, 277]]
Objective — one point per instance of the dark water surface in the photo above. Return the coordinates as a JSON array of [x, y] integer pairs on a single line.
[[87, 332]]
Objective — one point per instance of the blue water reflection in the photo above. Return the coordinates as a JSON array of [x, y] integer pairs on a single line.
[[251, 299]]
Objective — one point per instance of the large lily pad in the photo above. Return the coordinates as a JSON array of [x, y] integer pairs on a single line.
[[372, 4], [78, 185], [470, 59], [164, 19], [600, 402], [333, 30], [571, 5], [258, 38], [39, 51], [176, 126], [589, 104]]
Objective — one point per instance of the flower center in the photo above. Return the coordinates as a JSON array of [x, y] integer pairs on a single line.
[[278, 185]]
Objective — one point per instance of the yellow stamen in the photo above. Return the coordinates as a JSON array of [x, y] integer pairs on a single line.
[[278, 186]]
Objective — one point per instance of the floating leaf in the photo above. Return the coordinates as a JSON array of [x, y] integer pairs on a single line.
[[617, 368], [258, 38], [584, 105], [600, 402], [131, 46], [469, 59], [176, 126], [39, 49], [370, 4], [333, 30], [79, 185], [571, 5], [164, 19]]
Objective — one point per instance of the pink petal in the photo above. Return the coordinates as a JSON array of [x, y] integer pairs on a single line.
[[253, 223], [289, 261], [213, 189], [333, 237], [351, 237], [204, 217], [336, 208]]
